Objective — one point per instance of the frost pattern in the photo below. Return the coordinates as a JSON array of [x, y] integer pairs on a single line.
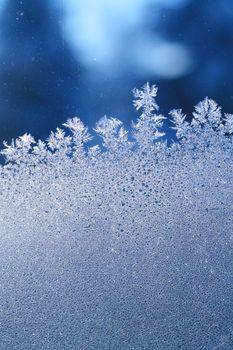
[[124, 246]]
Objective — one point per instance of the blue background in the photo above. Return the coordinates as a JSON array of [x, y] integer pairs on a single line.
[[60, 59]]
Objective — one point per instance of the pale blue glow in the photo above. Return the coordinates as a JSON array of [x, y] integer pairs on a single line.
[[104, 34], [107, 36], [163, 58]]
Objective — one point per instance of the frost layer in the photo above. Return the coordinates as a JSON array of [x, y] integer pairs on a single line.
[[128, 247]]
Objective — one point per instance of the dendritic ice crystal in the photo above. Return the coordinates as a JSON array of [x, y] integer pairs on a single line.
[[124, 245]]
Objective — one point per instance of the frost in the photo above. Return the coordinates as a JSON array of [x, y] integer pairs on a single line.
[[80, 135], [146, 130], [115, 137], [229, 123], [124, 245], [207, 111], [180, 125]]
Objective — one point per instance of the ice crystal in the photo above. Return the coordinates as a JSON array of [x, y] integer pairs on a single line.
[[113, 133], [148, 124], [127, 245]]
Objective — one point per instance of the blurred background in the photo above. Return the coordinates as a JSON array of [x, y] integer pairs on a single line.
[[62, 58]]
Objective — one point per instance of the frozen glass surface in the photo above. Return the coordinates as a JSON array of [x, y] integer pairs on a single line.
[[116, 233], [124, 245]]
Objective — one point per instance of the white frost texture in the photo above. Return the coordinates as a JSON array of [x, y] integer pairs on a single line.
[[126, 245]]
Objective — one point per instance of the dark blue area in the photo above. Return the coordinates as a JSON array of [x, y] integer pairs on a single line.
[[43, 82]]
